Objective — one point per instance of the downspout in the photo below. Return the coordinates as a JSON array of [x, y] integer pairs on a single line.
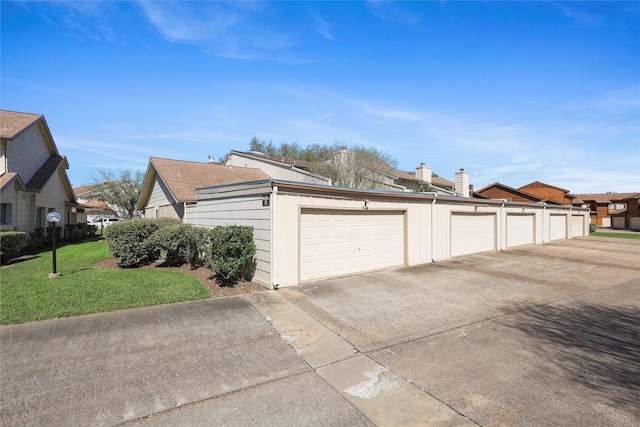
[[184, 216], [274, 251], [503, 224], [433, 230], [544, 210]]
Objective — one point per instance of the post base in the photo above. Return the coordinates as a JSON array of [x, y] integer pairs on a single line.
[[54, 275]]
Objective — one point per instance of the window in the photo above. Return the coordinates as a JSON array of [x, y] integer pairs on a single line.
[[6, 210], [620, 206], [41, 218], [611, 206]]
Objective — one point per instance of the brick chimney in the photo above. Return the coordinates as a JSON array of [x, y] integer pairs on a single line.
[[462, 183], [423, 173]]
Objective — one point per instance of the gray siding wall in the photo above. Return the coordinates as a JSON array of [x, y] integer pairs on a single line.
[[276, 171], [244, 210], [161, 198], [27, 153]]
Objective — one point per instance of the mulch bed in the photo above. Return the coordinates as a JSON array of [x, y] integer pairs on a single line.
[[204, 275]]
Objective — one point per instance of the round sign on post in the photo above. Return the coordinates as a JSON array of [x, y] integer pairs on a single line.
[[53, 218]]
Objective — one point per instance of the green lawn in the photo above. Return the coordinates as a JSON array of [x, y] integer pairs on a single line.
[[27, 293], [618, 235]]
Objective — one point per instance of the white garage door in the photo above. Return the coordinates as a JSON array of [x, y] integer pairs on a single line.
[[606, 222], [577, 225], [617, 222], [334, 243], [519, 230], [557, 227], [471, 234]]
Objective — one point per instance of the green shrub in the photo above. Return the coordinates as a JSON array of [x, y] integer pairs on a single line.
[[11, 243], [129, 241], [38, 239], [593, 228], [232, 252], [174, 241], [200, 246]]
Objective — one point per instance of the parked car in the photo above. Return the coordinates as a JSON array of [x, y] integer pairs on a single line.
[[105, 222]]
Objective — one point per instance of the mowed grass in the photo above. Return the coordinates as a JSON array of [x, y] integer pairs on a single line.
[[617, 235], [27, 293]]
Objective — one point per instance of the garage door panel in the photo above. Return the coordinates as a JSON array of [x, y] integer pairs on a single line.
[[472, 233], [358, 241], [557, 227], [617, 222], [577, 222], [520, 230]]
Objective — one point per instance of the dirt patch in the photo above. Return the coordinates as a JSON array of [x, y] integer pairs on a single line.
[[204, 275]]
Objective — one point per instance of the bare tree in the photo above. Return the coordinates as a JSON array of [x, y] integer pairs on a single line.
[[121, 192]]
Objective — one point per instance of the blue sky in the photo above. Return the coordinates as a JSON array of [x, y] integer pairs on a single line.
[[510, 91]]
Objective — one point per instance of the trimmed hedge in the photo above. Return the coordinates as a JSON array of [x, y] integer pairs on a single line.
[[232, 252], [174, 241], [11, 243], [129, 241]]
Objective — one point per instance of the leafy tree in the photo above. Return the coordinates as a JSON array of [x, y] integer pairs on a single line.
[[122, 191]]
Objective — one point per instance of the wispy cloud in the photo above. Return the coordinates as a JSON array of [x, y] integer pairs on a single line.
[[579, 16], [237, 30], [386, 113], [390, 10], [321, 26]]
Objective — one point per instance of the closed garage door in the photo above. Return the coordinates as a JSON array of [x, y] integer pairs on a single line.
[[577, 228], [617, 222], [519, 230], [471, 234], [634, 223], [334, 243], [557, 227]]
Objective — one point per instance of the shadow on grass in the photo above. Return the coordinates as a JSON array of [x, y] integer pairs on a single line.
[[596, 346]]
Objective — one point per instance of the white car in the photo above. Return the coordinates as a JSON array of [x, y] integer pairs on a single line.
[[105, 222]]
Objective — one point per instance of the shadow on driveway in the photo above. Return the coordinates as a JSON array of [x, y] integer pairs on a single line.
[[594, 345]]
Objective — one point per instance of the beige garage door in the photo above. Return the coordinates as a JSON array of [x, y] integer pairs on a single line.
[[557, 227], [520, 230], [335, 243], [577, 225], [634, 223], [472, 233], [617, 222]]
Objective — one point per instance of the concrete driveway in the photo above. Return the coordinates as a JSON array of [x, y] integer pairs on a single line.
[[533, 336]]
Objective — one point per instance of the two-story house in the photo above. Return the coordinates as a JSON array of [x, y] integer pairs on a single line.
[[33, 176]]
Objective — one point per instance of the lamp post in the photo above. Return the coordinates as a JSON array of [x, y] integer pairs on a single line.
[[53, 218]]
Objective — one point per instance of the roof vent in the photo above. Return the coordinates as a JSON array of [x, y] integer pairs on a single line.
[[211, 159]]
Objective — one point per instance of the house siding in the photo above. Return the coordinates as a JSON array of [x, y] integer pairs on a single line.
[[275, 171], [243, 210], [27, 153], [162, 200]]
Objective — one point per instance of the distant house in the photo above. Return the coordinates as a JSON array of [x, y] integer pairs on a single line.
[[282, 168], [549, 193], [33, 176], [93, 208], [602, 206], [536, 192], [629, 216], [169, 186]]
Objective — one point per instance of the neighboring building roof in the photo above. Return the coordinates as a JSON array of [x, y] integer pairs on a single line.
[[542, 184], [510, 190], [13, 123], [602, 198], [183, 177], [40, 178], [302, 164], [9, 177]]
